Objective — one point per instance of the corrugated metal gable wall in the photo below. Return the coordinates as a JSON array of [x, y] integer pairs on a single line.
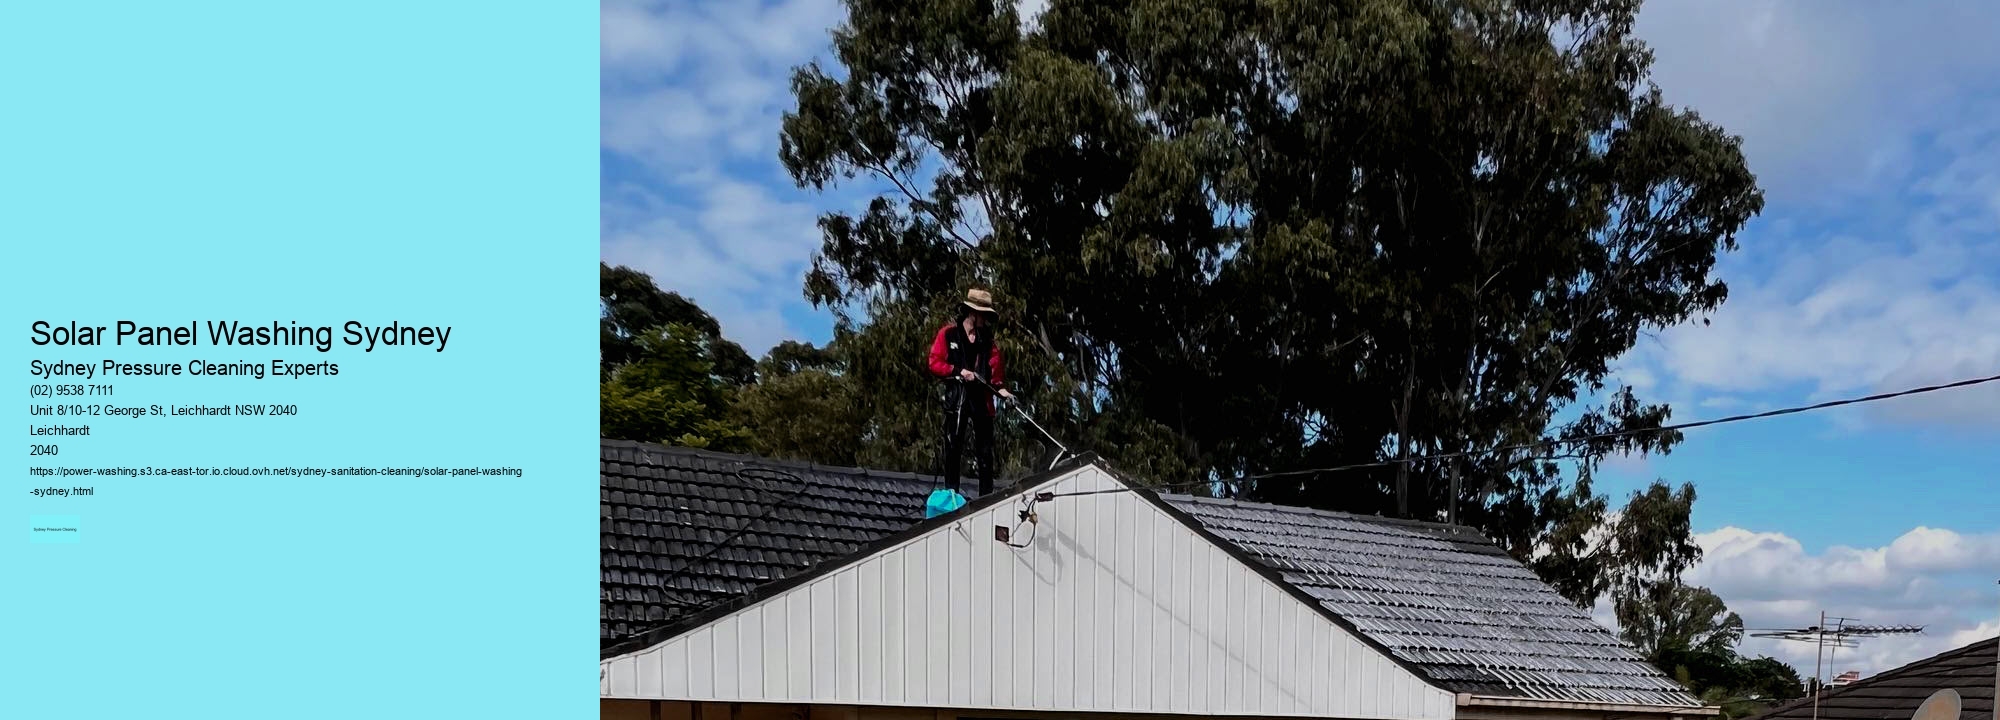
[[1116, 607]]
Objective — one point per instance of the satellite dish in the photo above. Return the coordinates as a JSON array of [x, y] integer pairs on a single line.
[[1941, 705]]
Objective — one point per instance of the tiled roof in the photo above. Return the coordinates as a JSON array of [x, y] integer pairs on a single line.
[[1442, 599], [1895, 695], [662, 509]]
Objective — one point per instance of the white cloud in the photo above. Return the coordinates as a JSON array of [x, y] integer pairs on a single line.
[[640, 38], [696, 85], [1823, 93], [1928, 576], [1890, 314], [1983, 631], [1935, 549], [1902, 298], [1868, 118], [633, 37], [651, 123], [692, 95], [734, 248], [1720, 402]]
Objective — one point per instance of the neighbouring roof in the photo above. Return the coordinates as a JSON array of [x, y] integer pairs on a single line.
[[660, 509], [1895, 695], [1441, 600]]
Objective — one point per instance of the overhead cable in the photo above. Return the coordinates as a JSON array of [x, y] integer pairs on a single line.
[[1546, 444]]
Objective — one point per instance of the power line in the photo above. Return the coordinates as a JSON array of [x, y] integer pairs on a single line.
[[1578, 439]]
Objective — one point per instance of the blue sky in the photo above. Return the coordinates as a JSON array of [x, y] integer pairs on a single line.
[[1873, 127]]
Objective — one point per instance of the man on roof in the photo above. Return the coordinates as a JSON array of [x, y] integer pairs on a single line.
[[967, 359]]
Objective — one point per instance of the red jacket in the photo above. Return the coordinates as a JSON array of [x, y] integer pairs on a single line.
[[953, 351]]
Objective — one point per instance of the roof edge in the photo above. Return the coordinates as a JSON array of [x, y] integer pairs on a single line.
[[1384, 519], [774, 588], [1501, 701], [684, 451]]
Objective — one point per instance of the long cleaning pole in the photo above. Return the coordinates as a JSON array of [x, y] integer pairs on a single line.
[[1061, 451]]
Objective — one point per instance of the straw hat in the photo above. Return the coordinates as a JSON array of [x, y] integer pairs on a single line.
[[980, 300]]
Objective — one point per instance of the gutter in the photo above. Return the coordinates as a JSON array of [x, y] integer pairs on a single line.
[[1494, 701]]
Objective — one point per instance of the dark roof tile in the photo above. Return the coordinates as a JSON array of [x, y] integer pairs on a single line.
[[665, 507], [1443, 599], [1896, 694]]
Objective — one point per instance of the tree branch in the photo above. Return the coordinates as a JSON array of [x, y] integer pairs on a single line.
[[918, 203]]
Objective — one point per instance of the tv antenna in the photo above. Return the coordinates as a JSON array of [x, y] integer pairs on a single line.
[[1835, 633]]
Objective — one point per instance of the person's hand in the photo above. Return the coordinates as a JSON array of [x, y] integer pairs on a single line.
[[967, 375], [1005, 394]]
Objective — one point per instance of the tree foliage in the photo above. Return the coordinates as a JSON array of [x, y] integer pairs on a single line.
[[1688, 633], [1677, 619], [671, 393], [665, 372], [826, 404], [631, 304], [1646, 549], [1685, 631], [1234, 237], [792, 357], [803, 406], [1740, 686]]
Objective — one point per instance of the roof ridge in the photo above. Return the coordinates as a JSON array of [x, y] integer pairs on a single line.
[[1382, 519], [1898, 671], [763, 461]]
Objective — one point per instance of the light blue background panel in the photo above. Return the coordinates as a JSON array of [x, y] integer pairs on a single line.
[[430, 164]]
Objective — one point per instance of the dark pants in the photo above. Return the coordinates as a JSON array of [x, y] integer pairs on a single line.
[[965, 413]]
